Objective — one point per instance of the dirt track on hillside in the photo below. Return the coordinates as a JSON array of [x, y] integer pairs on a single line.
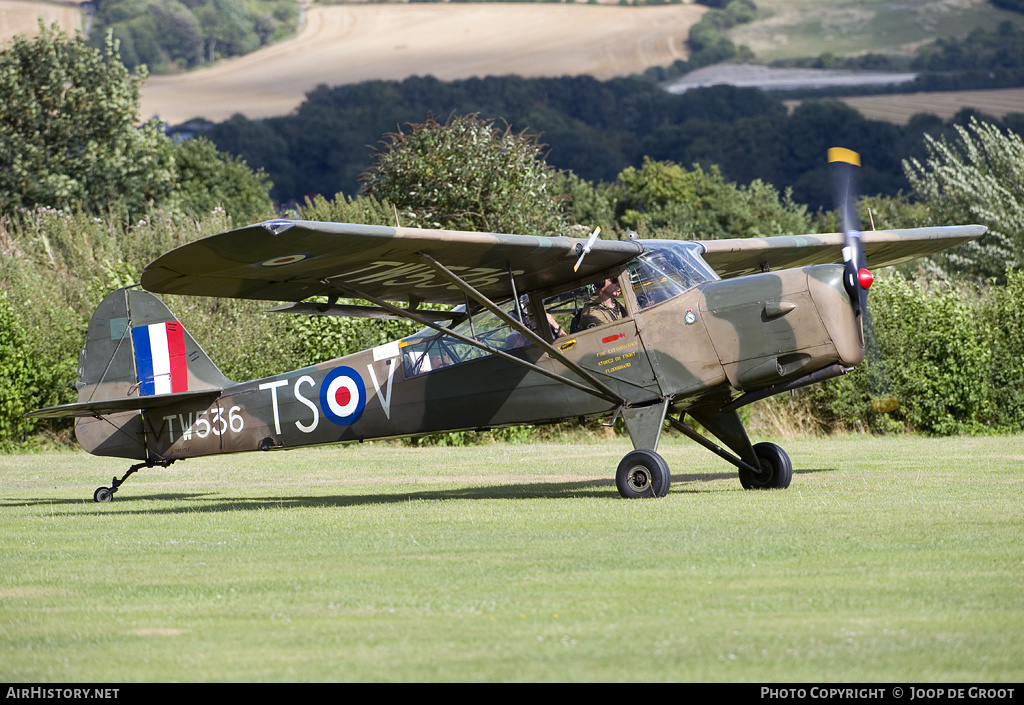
[[353, 43]]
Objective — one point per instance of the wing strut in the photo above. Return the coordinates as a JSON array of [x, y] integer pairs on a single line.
[[413, 316], [518, 326]]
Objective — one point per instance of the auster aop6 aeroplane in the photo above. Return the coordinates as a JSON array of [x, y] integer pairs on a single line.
[[702, 328]]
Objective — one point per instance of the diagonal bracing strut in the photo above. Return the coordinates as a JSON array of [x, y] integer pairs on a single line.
[[602, 392], [518, 326]]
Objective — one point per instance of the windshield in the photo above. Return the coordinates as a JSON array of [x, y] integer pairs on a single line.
[[667, 269]]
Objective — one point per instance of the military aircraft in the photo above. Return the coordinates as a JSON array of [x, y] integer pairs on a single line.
[[702, 329]]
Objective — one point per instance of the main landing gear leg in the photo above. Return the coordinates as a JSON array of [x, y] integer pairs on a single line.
[[762, 466], [644, 473], [106, 494]]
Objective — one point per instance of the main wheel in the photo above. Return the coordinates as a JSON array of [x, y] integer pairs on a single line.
[[102, 494], [776, 469], [643, 473]]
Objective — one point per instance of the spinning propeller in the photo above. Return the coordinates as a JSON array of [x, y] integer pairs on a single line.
[[856, 278]]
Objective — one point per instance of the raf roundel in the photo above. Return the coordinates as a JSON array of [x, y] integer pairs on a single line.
[[343, 396], [285, 260]]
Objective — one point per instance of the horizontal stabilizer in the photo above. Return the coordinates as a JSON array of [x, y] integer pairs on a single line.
[[102, 407]]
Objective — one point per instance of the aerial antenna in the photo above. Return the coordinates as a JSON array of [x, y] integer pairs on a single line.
[[586, 248]]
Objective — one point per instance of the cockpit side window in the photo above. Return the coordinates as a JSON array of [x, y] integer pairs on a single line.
[[591, 306], [666, 270], [566, 308], [430, 350]]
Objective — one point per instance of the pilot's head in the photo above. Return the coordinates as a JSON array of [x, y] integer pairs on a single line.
[[607, 287]]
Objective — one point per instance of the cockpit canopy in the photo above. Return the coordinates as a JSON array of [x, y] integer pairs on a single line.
[[667, 269]]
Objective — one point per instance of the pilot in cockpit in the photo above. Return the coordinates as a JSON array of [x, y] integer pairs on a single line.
[[603, 307]]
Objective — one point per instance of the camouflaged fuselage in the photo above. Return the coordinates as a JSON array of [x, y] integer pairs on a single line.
[[717, 339]]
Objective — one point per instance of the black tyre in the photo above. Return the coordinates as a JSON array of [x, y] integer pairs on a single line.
[[102, 494], [776, 469], [643, 473]]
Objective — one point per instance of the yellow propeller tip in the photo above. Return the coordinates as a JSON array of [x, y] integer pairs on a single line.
[[840, 154]]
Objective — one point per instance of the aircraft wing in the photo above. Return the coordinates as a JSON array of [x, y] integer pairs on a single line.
[[736, 257], [286, 260]]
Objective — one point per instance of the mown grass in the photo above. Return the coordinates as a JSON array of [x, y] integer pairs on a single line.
[[889, 559]]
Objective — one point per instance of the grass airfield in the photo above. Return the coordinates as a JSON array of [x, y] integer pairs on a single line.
[[888, 560]]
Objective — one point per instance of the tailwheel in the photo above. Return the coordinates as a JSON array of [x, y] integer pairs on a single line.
[[776, 469], [106, 494], [643, 473]]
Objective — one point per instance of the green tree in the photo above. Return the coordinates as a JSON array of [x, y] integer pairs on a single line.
[[208, 179], [467, 174], [976, 178], [169, 34], [67, 114], [228, 29], [589, 204], [662, 199]]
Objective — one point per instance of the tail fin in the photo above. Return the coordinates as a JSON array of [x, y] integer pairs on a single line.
[[137, 356], [136, 347]]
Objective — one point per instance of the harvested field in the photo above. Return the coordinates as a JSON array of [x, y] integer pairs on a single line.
[[900, 108], [353, 43], [22, 17], [788, 29]]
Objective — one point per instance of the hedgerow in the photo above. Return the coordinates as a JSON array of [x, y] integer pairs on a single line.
[[949, 355]]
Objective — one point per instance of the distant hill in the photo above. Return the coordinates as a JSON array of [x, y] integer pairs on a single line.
[[346, 44]]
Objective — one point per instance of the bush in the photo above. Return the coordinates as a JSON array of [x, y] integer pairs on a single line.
[[467, 174], [17, 376], [1002, 318], [937, 359], [947, 362]]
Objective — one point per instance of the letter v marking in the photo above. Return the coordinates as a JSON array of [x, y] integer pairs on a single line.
[[385, 399]]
